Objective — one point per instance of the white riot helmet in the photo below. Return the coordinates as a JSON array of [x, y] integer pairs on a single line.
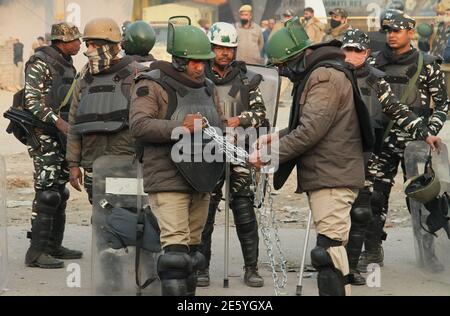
[[223, 34]]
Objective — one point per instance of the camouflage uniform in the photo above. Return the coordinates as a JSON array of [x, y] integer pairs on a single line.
[[338, 32], [48, 78], [242, 197], [440, 39], [431, 86], [379, 99]]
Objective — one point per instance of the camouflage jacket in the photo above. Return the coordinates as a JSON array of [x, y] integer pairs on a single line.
[[400, 113], [431, 84], [38, 86]]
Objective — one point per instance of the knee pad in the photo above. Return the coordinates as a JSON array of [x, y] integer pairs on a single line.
[[331, 281], [198, 260], [361, 215], [174, 265], [244, 212], [65, 194], [47, 201]]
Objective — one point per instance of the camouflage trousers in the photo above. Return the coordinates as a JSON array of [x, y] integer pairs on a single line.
[[50, 166], [240, 183], [242, 200], [384, 171]]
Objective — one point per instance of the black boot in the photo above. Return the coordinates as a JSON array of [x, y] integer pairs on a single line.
[[252, 277], [247, 230], [375, 234], [361, 215], [44, 209], [203, 279], [174, 267], [198, 263], [57, 250]]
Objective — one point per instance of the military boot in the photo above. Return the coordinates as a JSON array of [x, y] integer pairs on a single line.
[[247, 230], [38, 255], [59, 225], [44, 208], [252, 277], [203, 278], [373, 255], [357, 279]]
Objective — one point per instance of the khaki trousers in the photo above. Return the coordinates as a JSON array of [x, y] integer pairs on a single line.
[[181, 217], [331, 213]]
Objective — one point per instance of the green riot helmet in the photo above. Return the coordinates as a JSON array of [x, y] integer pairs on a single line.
[[424, 188], [188, 41], [287, 42], [425, 30], [139, 38]]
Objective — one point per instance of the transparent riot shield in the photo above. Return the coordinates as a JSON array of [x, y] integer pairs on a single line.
[[430, 222], [270, 89], [118, 202], [3, 226]]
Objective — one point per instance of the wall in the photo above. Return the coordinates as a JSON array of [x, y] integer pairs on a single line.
[[6, 65]]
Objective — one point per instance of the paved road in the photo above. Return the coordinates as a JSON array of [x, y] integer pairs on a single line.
[[399, 276]]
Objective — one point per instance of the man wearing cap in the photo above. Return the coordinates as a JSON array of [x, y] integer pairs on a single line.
[[169, 99], [313, 26], [338, 25], [250, 37], [245, 110], [287, 15], [48, 77], [329, 129], [401, 63], [92, 109], [442, 26], [379, 99]]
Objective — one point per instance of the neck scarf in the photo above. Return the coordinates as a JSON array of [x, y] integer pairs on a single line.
[[103, 58]]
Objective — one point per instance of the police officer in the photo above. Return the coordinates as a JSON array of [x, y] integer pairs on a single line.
[[328, 122], [245, 109], [379, 99], [402, 63], [172, 97], [378, 38], [139, 38], [100, 108], [48, 77], [338, 25]]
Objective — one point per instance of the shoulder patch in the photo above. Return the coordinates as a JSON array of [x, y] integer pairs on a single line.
[[143, 91]]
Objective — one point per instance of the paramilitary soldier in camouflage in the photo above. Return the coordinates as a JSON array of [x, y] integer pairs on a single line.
[[167, 100], [245, 109], [139, 38], [99, 112], [48, 77], [442, 32], [379, 99], [417, 79]]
